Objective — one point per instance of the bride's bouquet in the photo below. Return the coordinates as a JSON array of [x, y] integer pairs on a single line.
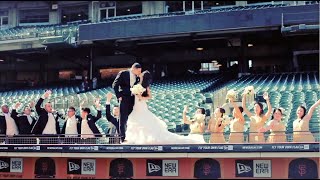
[[231, 94], [137, 89], [249, 90]]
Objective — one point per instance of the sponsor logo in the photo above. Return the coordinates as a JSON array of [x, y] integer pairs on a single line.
[[88, 166], [262, 168], [3, 165], [73, 166], [241, 168], [253, 168], [170, 167], [16, 165], [162, 167], [153, 168]]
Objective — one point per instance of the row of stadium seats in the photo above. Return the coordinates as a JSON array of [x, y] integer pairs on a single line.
[[215, 10], [37, 31], [23, 32]]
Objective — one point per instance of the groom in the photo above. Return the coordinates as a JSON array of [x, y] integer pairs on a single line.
[[121, 85]]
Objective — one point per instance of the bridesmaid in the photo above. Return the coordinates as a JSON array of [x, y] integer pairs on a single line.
[[216, 126], [237, 124], [301, 132], [276, 127], [258, 119], [197, 124]]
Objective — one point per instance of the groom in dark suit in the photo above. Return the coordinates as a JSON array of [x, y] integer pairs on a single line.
[[121, 85]]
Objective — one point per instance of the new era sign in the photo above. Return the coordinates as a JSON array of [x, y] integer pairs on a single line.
[[162, 167], [11, 165], [253, 168], [81, 166]]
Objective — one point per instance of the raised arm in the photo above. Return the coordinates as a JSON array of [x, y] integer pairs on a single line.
[[14, 114], [266, 97], [40, 101], [184, 116], [310, 112], [116, 84], [245, 110], [108, 113], [98, 107]]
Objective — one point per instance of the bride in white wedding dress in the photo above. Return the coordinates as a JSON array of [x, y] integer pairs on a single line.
[[143, 127]]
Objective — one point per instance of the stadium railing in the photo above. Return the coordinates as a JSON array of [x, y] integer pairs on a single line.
[[107, 139]]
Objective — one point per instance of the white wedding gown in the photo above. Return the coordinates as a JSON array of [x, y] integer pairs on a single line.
[[143, 127]]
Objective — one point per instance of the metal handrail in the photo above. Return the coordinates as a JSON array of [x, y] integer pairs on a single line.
[[108, 139]]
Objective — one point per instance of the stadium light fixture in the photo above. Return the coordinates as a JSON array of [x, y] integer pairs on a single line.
[[199, 49], [250, 45], [1, 60], [128, 10]]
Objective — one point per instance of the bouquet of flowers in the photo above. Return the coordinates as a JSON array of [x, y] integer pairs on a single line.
[[137, 89], [231, 94], [249, 90], [199, 117]]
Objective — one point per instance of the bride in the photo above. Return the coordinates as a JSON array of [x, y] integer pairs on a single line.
[[143, 127]]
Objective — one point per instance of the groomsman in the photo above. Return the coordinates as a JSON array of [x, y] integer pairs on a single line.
[[89, 130], [71, 128], [8, 126], [25, 123], [47, 125], [113, 119]]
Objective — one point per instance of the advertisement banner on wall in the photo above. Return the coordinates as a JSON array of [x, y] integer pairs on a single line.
[[155, 167], [81, 167], [253, 168], [11, 167]]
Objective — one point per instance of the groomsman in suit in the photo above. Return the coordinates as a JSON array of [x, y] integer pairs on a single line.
[[47, 124], [121, 85], [113, 119], [8, 126], [89, 130], [71, 128], [25, 123]]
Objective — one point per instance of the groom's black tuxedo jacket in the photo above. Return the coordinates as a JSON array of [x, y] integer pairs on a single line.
[[43, 119], [22, 122], [122, 81]]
